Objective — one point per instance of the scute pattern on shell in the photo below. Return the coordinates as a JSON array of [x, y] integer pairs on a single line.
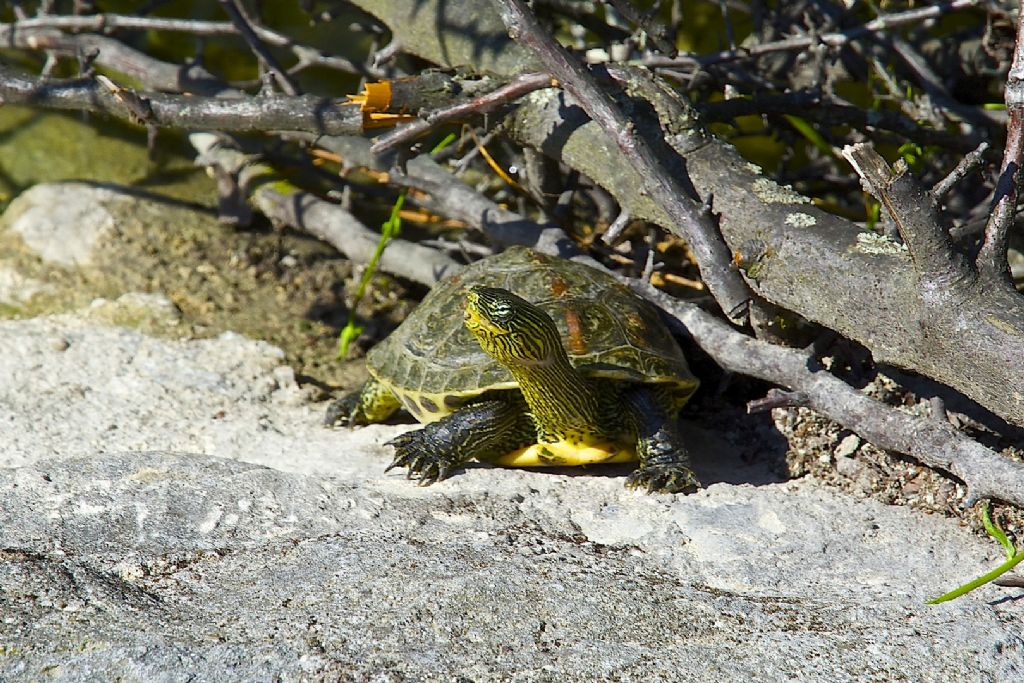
[[606, 329]]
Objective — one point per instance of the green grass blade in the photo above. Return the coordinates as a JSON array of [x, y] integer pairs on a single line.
[[388, 231]]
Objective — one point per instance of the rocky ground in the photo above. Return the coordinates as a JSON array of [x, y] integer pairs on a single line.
[[173, 509]]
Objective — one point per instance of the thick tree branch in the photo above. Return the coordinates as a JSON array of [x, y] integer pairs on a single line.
[[942, 273]]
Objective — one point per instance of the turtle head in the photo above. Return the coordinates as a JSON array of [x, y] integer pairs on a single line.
[[511, 329]]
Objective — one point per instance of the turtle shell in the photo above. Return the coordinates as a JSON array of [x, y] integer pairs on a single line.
[[434, 365]]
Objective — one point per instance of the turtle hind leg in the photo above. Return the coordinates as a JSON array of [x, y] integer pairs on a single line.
[[664, 462], [373, 403], [482, 431]]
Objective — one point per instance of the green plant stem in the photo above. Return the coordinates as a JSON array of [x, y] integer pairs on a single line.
[[981, 580], [1013, 558], [388, 231]]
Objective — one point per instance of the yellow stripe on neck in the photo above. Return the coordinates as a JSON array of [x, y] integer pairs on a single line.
[[567, 454]]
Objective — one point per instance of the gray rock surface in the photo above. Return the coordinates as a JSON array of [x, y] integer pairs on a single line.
[[63, 222], [175, 511]]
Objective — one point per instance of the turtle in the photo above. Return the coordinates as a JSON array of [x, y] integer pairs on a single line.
[[528, 360]]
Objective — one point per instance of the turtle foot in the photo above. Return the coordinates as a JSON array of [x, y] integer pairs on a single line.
[[424, 459], [663, 478]]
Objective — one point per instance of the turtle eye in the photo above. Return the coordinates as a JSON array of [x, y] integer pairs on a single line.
[[501, 312]]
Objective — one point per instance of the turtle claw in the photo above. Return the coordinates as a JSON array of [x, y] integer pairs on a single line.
[[424, 462], [663, 478]]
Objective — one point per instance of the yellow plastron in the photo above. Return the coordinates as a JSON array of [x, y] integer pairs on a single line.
[[566, 454]]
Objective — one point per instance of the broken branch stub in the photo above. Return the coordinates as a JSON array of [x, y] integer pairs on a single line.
[[941, 271]]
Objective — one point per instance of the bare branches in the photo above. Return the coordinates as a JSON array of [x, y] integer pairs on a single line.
[[970, 162], [819, 108], [992, 259], [304, 113], [934, 443], [94, 31], [916, 304], [815, 263], [113, 54], [238, 17], [453, 198], [797, 43], [664, 188], [108, 23], [288, 205], [515, 88]]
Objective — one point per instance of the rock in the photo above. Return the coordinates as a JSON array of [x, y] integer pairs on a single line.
[[16, 289], [145, 313], [174, 510], [848, 446], [64, 222]]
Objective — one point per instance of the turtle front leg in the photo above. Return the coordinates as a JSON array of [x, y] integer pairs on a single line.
[[664, 462], [483, 431]]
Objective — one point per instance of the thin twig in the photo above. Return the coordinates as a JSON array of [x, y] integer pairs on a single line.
[[777, 398], [838, 39], [488, 102], [615, 230], [658, 33], [105, 23], [455, 199], [992, 258], [245, 25], [970, 162], [933, 85], [828, 112], [27, 33]]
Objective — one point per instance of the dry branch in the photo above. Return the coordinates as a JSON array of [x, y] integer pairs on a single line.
[[286, 204], [454, 199], [482, 104], [937, 444], [917, 306], [833, 39], [818, 265], [302, 113]]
